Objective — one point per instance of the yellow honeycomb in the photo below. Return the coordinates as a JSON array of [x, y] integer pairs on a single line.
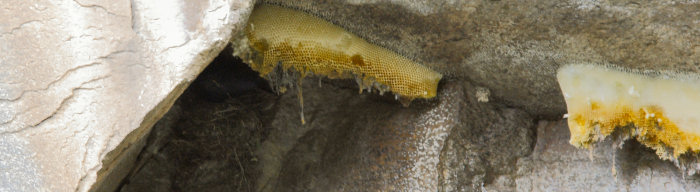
[[660, 112], [305, 43]]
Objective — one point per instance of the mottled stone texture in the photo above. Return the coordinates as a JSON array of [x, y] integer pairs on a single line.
[[256, 141], [555, 165], [81, 82], [487, 144], [377, 146]]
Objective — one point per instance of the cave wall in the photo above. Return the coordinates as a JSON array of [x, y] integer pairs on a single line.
[[82, 83]]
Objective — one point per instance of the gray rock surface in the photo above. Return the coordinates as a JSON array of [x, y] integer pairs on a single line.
[[514, 48], [485, 146], [256, 141], [554, 165], [82, 82], [377, 146]]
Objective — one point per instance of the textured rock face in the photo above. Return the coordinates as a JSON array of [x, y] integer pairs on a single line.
[[514, 48], [81, 82], [377, 146], [555, 165], [485, 146], [256, 141]]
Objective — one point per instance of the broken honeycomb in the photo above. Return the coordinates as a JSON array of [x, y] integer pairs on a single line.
[[659, 111]]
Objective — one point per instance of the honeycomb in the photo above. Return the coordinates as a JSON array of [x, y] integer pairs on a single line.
[[309, 45], [660, 112]]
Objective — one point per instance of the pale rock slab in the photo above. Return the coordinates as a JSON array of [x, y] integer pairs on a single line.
[[81, 82]]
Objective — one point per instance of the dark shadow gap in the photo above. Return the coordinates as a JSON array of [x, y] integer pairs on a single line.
[[206, 140]]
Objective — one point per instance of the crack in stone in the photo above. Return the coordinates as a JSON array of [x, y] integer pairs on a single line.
[[176, 46], [61, 105], [85, 155], [8, 121], [132, 12], [94, 168], [215, 9], [108, 56], [20, 26], [98, 7], [102, 153], [66, 74], [70, 38]]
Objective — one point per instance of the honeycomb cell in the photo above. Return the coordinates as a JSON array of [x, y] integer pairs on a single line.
[[307, 44]]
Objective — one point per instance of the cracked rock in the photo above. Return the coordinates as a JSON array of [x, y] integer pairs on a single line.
[[82, 82]]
